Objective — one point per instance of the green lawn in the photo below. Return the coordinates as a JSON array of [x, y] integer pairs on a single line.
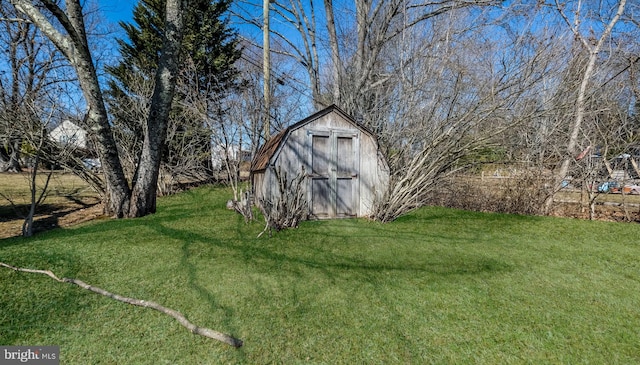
[[436, 286]]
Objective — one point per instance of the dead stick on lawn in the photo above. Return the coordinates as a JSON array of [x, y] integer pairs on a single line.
[[206, 332]]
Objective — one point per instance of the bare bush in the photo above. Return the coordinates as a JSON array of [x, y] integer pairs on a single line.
[[289, 207], [523, 193], [243, 205]]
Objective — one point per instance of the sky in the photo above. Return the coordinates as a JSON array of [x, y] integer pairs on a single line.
[[117, 10]]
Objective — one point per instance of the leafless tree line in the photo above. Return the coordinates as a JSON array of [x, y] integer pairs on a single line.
[[449, 85]]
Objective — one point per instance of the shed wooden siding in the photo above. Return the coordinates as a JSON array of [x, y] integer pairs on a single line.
[[326, 140]]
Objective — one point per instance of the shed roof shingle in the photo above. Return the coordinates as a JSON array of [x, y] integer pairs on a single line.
[[261, 160]]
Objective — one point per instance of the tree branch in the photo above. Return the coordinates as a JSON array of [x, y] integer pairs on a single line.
[[16, 20], [206, 332]]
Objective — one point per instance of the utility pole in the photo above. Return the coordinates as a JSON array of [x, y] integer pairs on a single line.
[[266, 68]]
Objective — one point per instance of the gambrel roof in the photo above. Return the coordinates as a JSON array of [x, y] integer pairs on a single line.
[[270, 149]]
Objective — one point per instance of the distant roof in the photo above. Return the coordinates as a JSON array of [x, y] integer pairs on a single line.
[[69, 133], [261, 161]]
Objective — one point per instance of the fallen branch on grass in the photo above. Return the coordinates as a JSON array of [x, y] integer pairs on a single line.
[[206, 332]]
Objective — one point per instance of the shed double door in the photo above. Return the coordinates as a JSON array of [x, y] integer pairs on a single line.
[[334, 174]]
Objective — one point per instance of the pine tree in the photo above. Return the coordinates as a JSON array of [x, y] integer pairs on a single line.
[[210, 46]]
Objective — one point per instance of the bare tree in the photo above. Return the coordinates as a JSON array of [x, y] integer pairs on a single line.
[[35, 134], [36, 199], [235, 123], [75, 47], [610, 134], [593, 47], [41, 154], [29, 94], [70, 37], [457, 104], [27, 80], [367, 29]]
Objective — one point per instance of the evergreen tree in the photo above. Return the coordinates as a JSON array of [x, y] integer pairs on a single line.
[[210, 47]]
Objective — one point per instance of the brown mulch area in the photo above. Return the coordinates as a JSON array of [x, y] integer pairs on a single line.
[[54, 217]]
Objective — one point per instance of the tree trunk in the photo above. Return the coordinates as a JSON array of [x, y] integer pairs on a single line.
[[335, 50], [27, 225], [75, 47], [118, 192], [13, 163], [143, 195]]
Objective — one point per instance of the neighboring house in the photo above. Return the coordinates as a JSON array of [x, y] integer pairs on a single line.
[[71, 135], [219, 154], [345, 171], [68, 133]]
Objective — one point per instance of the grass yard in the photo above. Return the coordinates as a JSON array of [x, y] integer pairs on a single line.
[[436, 286]]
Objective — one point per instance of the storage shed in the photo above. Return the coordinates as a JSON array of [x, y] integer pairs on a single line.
[[345, 172]]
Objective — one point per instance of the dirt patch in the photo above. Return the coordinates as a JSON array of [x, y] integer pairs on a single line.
[[69, 201], [53, 217]]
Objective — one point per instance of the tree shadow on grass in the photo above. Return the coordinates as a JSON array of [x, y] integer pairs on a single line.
[[287, 270], [315, 256], [187, 239], [34, 313], [271, 256]]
